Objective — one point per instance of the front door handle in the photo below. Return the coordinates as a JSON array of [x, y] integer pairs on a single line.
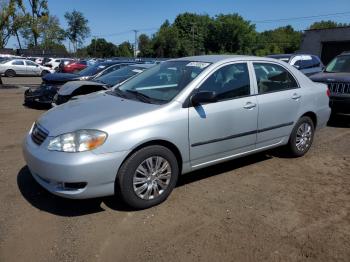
[[296, 96], [249, 105]]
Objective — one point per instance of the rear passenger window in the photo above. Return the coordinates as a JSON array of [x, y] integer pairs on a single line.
[[273, 78], [17, 62], [229, 82]]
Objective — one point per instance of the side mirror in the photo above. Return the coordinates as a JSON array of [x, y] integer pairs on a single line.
[[204, 97]]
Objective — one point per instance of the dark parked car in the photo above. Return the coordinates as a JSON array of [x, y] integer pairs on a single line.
[[104, 82], [308, 64], [48, 89], [337, 76]]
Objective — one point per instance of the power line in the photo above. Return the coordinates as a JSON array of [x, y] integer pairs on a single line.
[[299, 18], [253, 21], [127, 32]]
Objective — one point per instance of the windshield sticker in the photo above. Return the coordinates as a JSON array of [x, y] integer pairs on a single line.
[[201, 65], [137, 70], [101, 66]]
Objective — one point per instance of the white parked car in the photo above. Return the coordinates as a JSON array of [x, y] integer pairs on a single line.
[[14, 67], [53, 63]]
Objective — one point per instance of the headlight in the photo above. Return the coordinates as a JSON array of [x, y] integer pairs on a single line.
[[84, 77], [78, 141]]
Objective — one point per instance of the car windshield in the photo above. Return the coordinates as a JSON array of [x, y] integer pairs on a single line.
[[92, 70], [340, 64], [3, 61], [164, 81], [119, 75]]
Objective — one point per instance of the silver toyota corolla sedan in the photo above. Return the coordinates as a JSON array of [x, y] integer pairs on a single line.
[[179, 116], [23, 67]]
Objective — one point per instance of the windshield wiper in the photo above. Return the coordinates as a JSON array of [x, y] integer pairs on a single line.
[[141, 96], [119, 93]]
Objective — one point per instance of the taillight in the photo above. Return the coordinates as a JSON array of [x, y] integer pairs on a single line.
[[328, 92]]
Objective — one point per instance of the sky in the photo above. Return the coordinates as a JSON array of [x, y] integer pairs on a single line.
[[114, 19]]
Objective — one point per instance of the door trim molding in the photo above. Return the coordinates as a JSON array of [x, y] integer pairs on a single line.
[[241, 134]]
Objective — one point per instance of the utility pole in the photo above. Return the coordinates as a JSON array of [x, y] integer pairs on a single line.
[[135, 44]]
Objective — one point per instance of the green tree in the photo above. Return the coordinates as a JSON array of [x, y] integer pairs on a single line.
[[145, 46], [193, 30], [38, 12], [326, 24], [19, 18], [101, 48], [125, 49], [7, 9], [78, 29], [52, 35], [280, 40], [166, 41], [231, 34]]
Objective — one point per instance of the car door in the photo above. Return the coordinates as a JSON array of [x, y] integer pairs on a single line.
[[18, 66], [32, 68], [227, 127], [279, 98]]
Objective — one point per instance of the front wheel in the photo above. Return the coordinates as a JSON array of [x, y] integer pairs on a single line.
[[147, 177], [302, 137]]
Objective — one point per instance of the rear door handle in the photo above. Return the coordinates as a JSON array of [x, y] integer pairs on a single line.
[[249, 105], [296, 96]]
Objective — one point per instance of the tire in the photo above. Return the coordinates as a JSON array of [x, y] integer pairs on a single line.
[[44, 72], [301, 137], [133, 186], [10, 73]]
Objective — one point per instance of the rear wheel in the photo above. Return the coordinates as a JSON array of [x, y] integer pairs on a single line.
[[302, 136], [10, 73], [147, 177]]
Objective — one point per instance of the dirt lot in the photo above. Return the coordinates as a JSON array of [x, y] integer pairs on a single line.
[[21, 81], [259, 208]]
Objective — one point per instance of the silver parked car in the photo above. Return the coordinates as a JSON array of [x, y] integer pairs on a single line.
[[179, 116], [23, 67]]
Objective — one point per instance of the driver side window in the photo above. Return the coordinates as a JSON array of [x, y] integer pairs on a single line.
[[229, 82]]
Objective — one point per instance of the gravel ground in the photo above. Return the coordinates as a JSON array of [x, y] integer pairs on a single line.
[[259, 208]]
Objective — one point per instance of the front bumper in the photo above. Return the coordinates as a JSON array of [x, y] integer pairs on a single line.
[[93, 175], [38, 96], [340, 104]]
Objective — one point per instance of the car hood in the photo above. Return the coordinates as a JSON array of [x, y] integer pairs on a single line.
[[331, 77], [94, 111], [60, 77], [69, 87]]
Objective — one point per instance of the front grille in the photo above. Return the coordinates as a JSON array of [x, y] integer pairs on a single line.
[[38, 134], [339, 88]]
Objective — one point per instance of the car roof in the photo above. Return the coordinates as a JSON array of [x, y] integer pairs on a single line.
[[222, 58], [142, 65], [281, 56], [107, 63]]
